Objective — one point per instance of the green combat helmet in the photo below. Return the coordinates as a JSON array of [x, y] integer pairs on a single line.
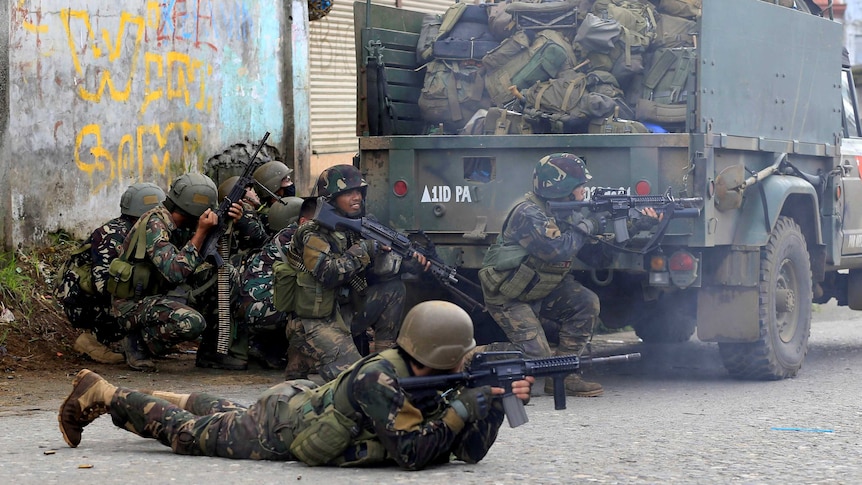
[[193, 193], [339, 178], [284, 213], [225, 187], [269, 178], [438, 334], [558, 174], [140, 198]]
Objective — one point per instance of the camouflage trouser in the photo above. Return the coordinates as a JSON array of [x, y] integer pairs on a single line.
[[89, 312], [329, 342], [211, 426], [161, 321], [266, 325], [166, 320], [570, 305]]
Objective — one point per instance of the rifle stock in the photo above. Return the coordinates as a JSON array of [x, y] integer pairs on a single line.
[[401, 245], [210, 246], [485, 370]]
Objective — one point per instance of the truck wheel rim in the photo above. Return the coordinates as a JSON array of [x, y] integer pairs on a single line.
[[785, 301]]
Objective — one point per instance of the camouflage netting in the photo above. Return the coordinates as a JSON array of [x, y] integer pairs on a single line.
[[317, 9], [232, 161]]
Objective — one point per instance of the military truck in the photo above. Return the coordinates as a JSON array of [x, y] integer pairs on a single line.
[[771, 144]]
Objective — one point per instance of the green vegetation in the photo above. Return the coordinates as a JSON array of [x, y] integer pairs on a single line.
[[14, 282]]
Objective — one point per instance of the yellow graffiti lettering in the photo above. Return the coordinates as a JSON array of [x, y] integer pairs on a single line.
[[146, 150], [150, 93], [154, 14], [180, 69], [66, 16], [114, 49], [205, 103], [30, 26], [98, 153]]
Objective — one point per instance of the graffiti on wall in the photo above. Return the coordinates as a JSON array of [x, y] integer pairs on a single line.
[[144, 81]]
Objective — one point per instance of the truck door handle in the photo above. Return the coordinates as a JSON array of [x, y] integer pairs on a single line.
[[846, 168]]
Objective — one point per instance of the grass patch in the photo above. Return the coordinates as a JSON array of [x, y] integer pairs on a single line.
[[14, 282]]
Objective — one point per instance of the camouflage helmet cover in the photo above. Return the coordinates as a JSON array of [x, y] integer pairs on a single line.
[[284, 213], [194, 193], [339, 178], [140, 198], [558, 174], [438, 334], [269, 177]]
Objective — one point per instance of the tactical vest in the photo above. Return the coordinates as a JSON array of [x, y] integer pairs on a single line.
[[132, 275], [509, 270], [312, 299], [330, 429]]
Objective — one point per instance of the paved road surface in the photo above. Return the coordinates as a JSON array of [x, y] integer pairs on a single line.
[[673, 417]]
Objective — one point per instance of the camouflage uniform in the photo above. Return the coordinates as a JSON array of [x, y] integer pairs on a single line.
[[390, 425], [340, 262], [253, 300], [164, 317], [93, 311], [248, 235], [570, 305]]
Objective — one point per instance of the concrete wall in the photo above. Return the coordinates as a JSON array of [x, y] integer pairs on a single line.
[[102, 94]]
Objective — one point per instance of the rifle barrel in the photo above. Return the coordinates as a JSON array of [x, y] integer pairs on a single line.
[[611, 359]]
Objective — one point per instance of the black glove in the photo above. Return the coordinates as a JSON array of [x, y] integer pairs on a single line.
[[473, 404], [591, 225], [644, 223]]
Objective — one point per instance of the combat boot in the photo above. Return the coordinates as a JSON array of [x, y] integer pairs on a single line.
[[575, 386], [298, 365], [137, 355], [265, 353], [86, 343], [210, 359], [90, 398]]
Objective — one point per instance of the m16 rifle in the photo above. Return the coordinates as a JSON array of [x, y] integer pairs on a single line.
[[446, 275], [216, 247], [210, 246], [502, 372], [623, 207]]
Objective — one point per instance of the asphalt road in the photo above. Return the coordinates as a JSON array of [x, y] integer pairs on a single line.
[[672, 417]]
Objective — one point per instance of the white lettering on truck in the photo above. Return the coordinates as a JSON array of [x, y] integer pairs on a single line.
[[443, 193]]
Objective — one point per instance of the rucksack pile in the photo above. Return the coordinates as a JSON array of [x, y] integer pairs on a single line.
[[558, 66]]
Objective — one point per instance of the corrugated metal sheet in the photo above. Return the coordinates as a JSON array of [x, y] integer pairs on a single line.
[[431, 6], [333, 74]]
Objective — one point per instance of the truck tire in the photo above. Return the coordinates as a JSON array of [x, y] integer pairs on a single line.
[[668, 320], [784, 310], [232, 160]]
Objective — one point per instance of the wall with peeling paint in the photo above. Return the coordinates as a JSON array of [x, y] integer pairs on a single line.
[[100, 94]]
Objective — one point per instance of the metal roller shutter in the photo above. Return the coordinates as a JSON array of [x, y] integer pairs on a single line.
[[333, 74]]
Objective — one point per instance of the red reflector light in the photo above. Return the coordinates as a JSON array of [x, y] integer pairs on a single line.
[[400, 188], [642, 188], [681, 261]]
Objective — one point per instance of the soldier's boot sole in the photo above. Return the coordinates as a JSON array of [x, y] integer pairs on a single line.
[[87, 401]]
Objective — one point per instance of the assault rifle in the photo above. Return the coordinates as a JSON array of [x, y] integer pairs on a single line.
[[210, 246], [401, 245], [622, 206], [216, 249], [502, 372]]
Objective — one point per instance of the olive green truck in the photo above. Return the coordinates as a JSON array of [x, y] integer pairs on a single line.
[[771, 143]]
